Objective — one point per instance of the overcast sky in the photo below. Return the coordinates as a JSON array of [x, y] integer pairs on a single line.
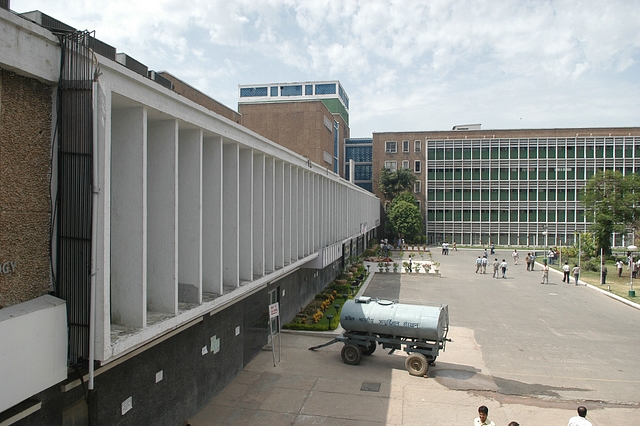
[[406, 65]]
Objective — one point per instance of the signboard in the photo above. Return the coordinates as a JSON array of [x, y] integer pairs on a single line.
[[274, 310]]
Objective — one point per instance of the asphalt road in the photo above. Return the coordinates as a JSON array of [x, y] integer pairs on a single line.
[[552, 342]]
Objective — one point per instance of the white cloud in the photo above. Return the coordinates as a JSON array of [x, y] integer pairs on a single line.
[[440, 62]]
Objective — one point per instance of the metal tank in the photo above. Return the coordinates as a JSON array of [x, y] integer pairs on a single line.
[[387, 318]]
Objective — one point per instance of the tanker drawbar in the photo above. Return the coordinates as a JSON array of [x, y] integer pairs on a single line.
[[420, 330]]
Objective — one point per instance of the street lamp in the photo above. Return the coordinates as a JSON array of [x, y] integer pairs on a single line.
[[631, 248], [546, 243]]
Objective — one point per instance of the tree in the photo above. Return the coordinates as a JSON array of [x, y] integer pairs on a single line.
[[404, 196], [393, 183], [613, 201], [405, 219]]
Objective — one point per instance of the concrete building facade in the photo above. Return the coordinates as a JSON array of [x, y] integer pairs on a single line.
[[510, 187], [168, 231]]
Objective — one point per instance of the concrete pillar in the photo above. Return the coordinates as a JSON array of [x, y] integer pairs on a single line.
[[212, 244]]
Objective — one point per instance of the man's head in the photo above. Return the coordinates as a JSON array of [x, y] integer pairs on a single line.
[[483, 412], [582, 411], [514, 424]]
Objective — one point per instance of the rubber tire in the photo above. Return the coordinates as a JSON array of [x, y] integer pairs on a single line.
[[416, 364], [368, 348], [351, 354]]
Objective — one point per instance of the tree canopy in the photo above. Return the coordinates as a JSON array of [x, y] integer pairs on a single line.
[[612, 202], [405, 219], [391, 184]]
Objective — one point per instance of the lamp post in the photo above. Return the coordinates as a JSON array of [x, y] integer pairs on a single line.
[[546, 241], [632, 292]]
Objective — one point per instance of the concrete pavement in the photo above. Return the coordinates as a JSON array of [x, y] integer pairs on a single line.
[[530, 352]]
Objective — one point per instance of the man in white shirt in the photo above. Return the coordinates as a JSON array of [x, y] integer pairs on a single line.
[[566, 269], [580, 420], [482, 419]]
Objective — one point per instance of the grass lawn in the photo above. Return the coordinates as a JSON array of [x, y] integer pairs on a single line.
[[617, 285]]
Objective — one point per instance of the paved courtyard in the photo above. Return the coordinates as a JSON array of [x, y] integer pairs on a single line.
[[531, 352]]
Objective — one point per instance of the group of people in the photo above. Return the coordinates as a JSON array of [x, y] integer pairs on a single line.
[[483, 419], [498, 267]]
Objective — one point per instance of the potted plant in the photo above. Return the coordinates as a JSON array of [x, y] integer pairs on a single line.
[[380, 266], [386, 266], [395, 266], [417, 267]]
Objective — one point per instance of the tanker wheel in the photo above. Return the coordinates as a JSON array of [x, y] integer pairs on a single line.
[[416, 364], [351, 354], [368, 348]]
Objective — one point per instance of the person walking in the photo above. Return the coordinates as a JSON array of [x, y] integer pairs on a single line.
[[515, 256], [478, 263], [576, 273], [503, 268], [493, 248], [619, 264], [533, 260], [496, 268], [580, 419], [566, 270], [528, 260], [485, 262], [604, 274], [545, 273]]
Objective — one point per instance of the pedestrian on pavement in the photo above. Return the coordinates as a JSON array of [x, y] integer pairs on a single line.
[[515, 256], [528, 260], [566, 270], [478, 264], [533, 260], [410, 263], [503, 268], [496, 267], [485, 261], [545, 274], [455, 246], [579, 420], [493, 248], [482, 419], [576, 273], [485, 253], [604, 274], [619, 264]]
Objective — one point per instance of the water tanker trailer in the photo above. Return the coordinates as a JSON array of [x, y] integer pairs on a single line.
[[420, 330]]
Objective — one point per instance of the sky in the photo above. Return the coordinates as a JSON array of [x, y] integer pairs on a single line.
[[406, 65]]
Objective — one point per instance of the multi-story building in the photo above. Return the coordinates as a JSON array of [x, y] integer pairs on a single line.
[[144, 234], [510, 187], [360, 150], [309, 118]]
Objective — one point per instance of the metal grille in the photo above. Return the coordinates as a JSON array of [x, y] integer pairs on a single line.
[[73, 198]]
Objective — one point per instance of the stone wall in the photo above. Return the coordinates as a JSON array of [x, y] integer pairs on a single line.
[[25, 172]]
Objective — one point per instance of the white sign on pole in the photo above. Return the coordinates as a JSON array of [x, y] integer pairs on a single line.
[[274, 310]]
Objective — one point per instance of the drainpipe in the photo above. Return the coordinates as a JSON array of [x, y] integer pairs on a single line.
[[95, 191]]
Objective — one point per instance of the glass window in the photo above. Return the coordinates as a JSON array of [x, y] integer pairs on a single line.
[[571, 194], [542, 152], [466, 174], [514, 215], [405, 164], [637, 154], [504, 195], [475, 174], [457, 153], [485, 153], [417, 146], [431, 154], [580, 153], [619, 151], [514, 174], [494, 173], [571, 152], [523, 152], [431, 174], [514, 152], [523, 215], [533, 152], [417, 166], [561, 216], [476, 216], [457, 174], [551, 152], [439, 215], [504, 152], [561, 194], [533, 214], [485, 195], [579, 215], [431, 215], [542, 195], [495, 152], [494, 195], [326, 89], [552, 173], [308, 89], [390, 147], [439, 195], [542, 215], [608, 151], [448, 154], [466, 195], [440, 154], [485, 215], [571, 173], [552, 194], [448, 215], [561, 173], [628, 151], [561, 152], [466, 215], [590, 173], [533, 173], [431, 195], [523, 194], [417, 186], [590, 152], [448, 174], [523, 173], [476, 153], [571, 215], [439, 174], [274, 90], [514, 194], [391, 165], [504, 174], [504, 215], [485, 173], [599, 151], [247, 92], [457, 216], [457, 194], [533, 194], [291, 90], [466, 153], [448, 194], [405, 146], [494, 215]]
